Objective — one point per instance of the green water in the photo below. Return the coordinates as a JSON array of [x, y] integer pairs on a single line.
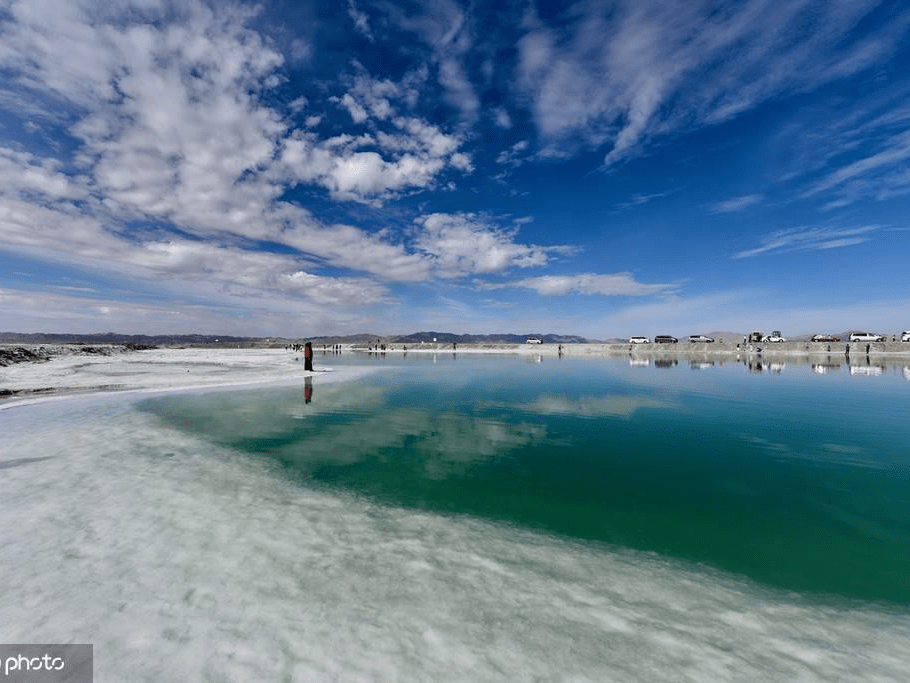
[[793, 479]]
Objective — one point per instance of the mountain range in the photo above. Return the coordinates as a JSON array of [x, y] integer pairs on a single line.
[[363, 338]]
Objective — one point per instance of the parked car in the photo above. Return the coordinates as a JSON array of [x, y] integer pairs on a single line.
[[665, 339], [866, 337], [774, 338], [905, 336], [639, 340], [824, 338], [700, 338], [533, 340]]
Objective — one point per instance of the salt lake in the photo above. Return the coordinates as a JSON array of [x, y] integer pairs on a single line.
[[456, 517]]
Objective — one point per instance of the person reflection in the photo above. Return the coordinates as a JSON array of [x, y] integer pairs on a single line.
[[307, 389]]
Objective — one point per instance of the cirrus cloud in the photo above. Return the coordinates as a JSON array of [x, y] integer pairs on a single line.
[[810, 239], [623, 73]]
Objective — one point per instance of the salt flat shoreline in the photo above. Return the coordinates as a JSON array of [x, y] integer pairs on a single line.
[[715, 349], [63, 371], [33, 372]]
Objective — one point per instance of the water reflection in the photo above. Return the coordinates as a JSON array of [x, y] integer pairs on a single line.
[[867, 370], [858, 366], [608, 405], [810, 497], [307, 389]]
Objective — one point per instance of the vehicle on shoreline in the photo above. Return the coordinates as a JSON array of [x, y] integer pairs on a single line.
[[905, 336], [866, 337], [533, 340], [639, 340], [824, 338], [696, 338], [774, 338], [665, 339]]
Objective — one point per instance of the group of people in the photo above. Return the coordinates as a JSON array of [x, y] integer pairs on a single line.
[[307, 354], [307, 349]]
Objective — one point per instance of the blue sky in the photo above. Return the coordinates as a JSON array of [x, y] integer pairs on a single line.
[[595, 168]]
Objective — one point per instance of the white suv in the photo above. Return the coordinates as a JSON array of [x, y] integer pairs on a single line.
[[639, 340], [866, 337], [905, 336]]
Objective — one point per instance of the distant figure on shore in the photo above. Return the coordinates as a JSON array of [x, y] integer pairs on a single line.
[[308, 356]]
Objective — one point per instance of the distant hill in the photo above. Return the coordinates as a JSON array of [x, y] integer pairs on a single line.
[[449, 338], [362, 338]]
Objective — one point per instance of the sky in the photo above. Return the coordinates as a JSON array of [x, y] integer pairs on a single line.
[[599, 168]]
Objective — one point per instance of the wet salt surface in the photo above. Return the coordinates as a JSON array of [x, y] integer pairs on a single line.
[[154, 369], [182, 560]]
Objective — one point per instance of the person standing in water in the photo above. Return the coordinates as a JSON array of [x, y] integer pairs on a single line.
[[308, 356]]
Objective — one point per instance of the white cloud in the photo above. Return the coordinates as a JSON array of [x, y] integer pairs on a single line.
[[349, 247], [810, 239], [458, 87], [639, 199], [361, 176], [735, 204], [502, 118], [170, 128], [515, 155], [358, 113], [464, 244], [25, 174], [56, 311], [614, 284], [409, 157], [168, 121], [445, 28], [61, 233], [881, 174], [301, 51], [361, 21]]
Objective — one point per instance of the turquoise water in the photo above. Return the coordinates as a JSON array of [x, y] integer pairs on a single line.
[[792, 476]]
